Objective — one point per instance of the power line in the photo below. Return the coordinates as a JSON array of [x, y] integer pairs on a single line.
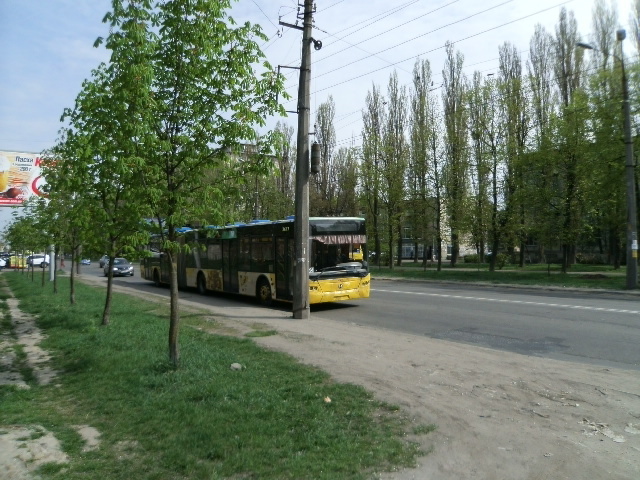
[[443, 46], [398, 26], [418, 36], [382, 16], [266, 16]]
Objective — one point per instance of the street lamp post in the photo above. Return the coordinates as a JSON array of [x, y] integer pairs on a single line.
[[632, 229]]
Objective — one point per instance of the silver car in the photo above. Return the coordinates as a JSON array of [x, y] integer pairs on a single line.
[[121, 268]]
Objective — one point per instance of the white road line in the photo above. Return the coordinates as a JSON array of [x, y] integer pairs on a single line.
[[517, 302]]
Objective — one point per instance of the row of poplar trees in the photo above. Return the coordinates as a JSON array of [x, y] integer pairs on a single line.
[[532, 154]]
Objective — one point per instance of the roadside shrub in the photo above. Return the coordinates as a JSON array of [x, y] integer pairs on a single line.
[[473, 258], [501, 260], [590, 259]]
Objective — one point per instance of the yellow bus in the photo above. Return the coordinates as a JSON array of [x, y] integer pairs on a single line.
[[256, 259]]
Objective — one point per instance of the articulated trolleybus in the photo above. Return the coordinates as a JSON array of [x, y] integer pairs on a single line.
[[256, 259]]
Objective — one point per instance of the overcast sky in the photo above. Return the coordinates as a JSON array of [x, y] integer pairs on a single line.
[[46, 50]]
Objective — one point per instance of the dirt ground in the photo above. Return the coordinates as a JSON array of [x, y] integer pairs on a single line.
[[498, 415]]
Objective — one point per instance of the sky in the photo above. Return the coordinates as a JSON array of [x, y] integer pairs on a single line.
[[46, 51]]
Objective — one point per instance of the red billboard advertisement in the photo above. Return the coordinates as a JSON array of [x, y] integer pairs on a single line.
[[19, 177]]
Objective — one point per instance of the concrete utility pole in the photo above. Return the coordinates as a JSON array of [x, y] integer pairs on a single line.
[[301, 229], [632, 228]]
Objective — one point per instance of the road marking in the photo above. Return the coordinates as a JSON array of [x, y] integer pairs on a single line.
[[517, 302]]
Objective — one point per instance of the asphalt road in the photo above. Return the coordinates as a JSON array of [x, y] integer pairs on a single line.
[[599, 328]]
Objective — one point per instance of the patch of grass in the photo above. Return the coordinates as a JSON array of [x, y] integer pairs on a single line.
[[6, 325], [424, 429], [261, 333], [534, 275], [261, 330], [202, 420], [21, 364]]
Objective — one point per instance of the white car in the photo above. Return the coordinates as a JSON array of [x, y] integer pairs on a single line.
[[38, 260]]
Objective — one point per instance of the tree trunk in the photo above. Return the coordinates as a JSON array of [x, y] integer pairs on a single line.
[[174, 322], [72, 286], [106, 313], [399, 262], [55, 270]]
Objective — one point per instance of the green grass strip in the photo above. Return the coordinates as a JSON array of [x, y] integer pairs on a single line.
[[582, 276], [203, 420]]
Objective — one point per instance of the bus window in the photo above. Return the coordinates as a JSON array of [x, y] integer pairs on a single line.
[[244, 258], [262, 254]]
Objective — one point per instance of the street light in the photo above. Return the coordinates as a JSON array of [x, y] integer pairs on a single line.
[[632, 238]]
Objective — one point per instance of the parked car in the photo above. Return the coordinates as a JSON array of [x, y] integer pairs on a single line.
[[103, 261], [3, 263], [121, 268], [38, 260], [85, 261]]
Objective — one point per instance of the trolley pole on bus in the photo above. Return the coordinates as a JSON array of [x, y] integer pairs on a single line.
[[301, 224]]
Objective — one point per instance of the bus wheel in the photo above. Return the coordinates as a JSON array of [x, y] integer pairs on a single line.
[[202, 285], [156, 278], [263, 292]]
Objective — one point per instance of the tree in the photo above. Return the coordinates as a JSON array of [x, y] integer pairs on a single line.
[[570, 133], [104, 145], [457, 160], [207, 99], [605, 204], [543, 102], [346, 182], [373, 118], [515, 113], [322, 199], [479, 107], [423, 196], [394, 163]]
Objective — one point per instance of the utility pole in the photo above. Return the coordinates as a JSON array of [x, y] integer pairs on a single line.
[[301, 225], [632, 228]]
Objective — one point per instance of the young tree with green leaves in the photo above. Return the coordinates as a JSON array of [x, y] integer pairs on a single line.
[[207, 99], [107, 136]]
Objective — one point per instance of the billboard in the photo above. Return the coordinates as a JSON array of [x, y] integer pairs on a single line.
[[20, 177]]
